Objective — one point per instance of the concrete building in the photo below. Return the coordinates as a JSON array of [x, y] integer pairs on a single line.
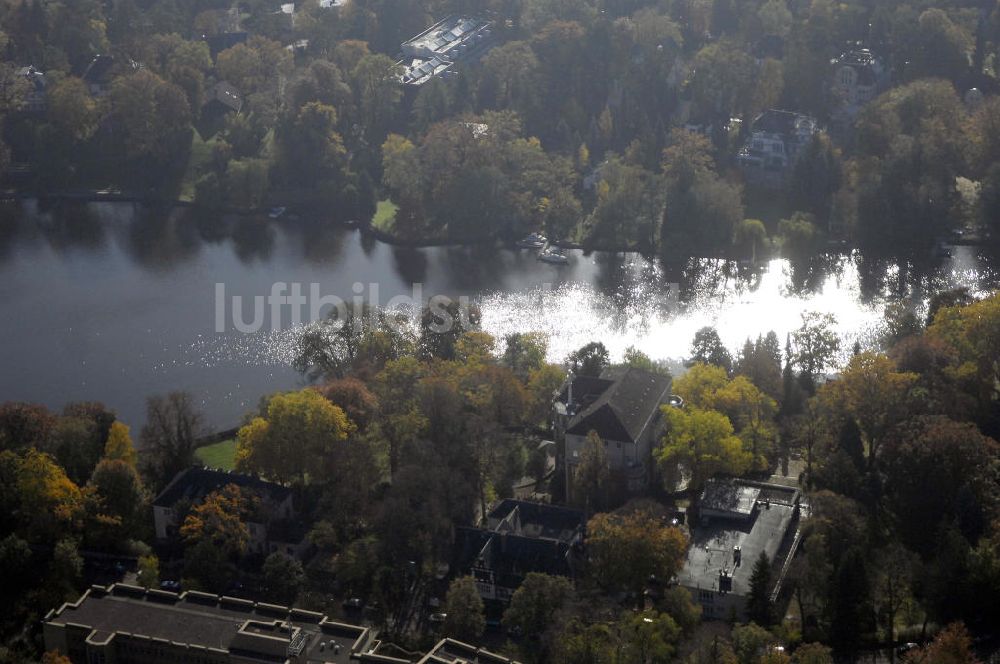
[[775, 140], [450, 651], [433, 52], [272, 526], [623, 407], [736, 521], [520, 537], [123, 624]]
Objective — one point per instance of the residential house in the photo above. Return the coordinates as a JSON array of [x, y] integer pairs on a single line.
[[775, 140], [221, 98], [622, 406], [857, 77], [433, 52], [272, 526], [736, 521], [35, 100], [520, 537], [99, 73]]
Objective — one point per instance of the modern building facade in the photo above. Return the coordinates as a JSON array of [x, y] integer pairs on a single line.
[[433, 52]]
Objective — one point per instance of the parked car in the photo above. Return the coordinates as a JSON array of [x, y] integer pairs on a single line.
[[438, 618], [353, 603], [172, 586]]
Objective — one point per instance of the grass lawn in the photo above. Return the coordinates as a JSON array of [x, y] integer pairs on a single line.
[[198, 165], [385, 215], [220, 455]]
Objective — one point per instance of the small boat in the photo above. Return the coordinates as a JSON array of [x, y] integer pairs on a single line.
[[552, 256], [533, 241], [276, 212]]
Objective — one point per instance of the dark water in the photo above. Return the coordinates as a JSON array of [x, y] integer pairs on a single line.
[[114, 303]]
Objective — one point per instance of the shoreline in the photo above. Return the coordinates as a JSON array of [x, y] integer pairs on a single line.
[[835, 246]]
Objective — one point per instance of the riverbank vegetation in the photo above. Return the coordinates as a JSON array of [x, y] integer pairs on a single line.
[[612, 124], [408, 433]]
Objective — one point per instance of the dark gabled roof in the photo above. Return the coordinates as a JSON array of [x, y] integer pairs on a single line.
[[99, 69], [538, 520], [774, 121], [622, 409], [226, 94], [220, 42], [195, 483]]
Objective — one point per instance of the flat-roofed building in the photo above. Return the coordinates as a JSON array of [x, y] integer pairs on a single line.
[[450, 651], [127, 624], [433, 52], [737, 521]]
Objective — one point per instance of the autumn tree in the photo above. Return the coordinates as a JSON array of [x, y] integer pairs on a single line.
[[119, 445], [302, 432], [703, 443], [152, 114], [219, 520], [626, 549]]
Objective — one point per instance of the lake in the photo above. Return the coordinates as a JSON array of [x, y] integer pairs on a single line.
[[113, 302]]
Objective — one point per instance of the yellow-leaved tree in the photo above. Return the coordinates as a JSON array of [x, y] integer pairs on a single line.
[[301, 433], [119, 445]]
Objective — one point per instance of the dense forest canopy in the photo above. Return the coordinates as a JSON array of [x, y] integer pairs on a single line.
[[611, 123]]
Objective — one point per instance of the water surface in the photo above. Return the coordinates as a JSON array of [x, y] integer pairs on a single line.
[[114, 303]]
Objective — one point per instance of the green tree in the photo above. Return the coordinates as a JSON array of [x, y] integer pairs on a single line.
[[72, 110], [121, 497], [465, 620], [707, 348], [590, 359], [149, 571], [812, 653], [647, 637], [533, 608], [815, 343], [592, 476], [376, 87], [759, 606], [283, 577]]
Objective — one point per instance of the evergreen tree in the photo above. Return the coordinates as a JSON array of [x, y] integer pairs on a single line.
[[759, 601]]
